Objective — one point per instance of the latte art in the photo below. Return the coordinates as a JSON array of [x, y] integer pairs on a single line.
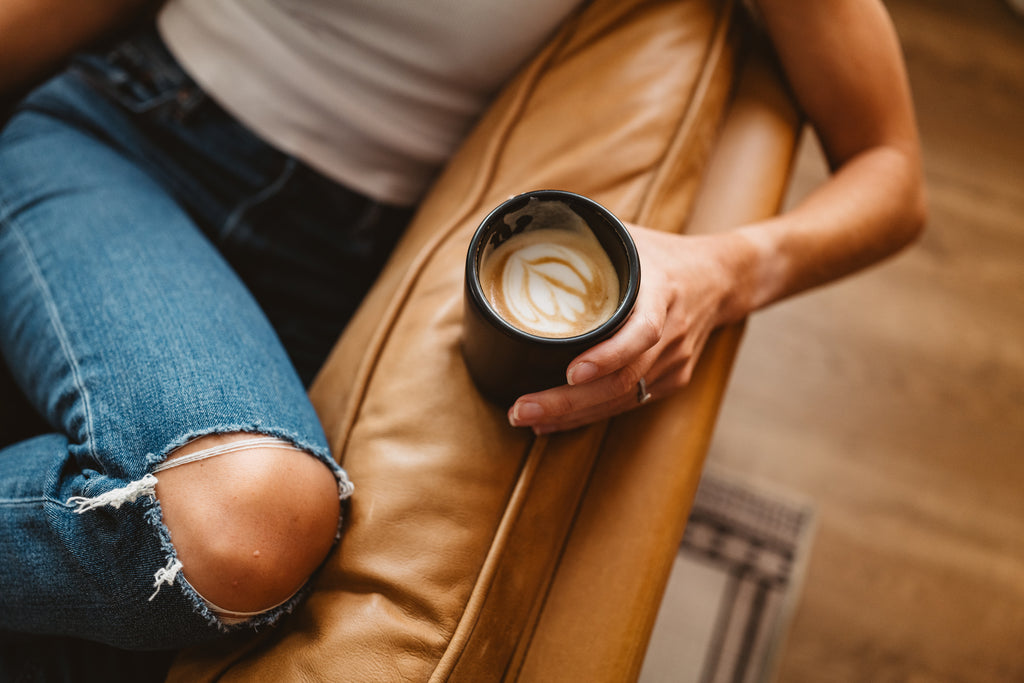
[[551, 283]]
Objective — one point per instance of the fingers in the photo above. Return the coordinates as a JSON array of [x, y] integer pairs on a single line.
[[676, 309], [602, 374], [611, 408], [589, 416], [568, 407], [566, 402], [641, 332]]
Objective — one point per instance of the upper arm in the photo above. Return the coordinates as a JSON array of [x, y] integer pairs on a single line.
[[843, 61], [39, 34]]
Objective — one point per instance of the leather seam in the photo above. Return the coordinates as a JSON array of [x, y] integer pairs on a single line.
[[404, 290], [472, 611], [674, 151], [473, 608], [364, 374], [513, 667]]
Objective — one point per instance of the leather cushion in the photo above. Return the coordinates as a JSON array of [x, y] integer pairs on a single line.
[[458, 521]]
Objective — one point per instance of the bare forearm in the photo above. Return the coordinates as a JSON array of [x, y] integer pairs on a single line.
[[38, 34], [843, 62], [869, 209]]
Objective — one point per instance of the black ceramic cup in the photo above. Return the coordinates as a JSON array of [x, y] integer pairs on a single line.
[[505, 361]]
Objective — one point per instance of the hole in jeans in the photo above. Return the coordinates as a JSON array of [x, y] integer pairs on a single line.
[[250, 518]]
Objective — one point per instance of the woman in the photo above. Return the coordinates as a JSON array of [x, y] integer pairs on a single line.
[[187, 222]]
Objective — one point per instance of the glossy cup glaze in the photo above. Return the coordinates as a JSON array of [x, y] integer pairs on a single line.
[[506, 362]]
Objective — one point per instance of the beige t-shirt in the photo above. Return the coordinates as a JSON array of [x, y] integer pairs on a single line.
[[375, 94]]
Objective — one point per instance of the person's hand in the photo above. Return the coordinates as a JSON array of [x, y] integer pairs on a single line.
[[689, 285]]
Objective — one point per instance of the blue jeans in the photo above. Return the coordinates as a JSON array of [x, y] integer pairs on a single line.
[[164, 274]]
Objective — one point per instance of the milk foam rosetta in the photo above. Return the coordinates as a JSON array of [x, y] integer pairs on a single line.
[[551, 282]]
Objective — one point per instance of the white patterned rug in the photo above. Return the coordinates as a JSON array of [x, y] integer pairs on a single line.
[[733, 588]]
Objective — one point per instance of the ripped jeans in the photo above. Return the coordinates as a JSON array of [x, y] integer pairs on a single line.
[[164, 274]]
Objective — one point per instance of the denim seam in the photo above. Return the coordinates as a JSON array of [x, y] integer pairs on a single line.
[[36, 500], [236, 216], [54, 315]]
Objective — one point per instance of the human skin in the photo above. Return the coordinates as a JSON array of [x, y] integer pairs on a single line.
[[39, 34], [843, 62], [249, 527]]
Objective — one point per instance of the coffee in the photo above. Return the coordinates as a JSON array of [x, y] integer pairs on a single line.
[[552, 278]]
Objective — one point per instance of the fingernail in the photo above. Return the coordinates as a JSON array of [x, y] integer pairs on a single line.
[[581, 372], [525, 412]]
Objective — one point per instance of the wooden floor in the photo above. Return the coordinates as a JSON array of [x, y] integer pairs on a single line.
[[895, 400]]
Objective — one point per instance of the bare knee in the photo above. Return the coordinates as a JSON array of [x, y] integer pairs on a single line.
[[249, 526]]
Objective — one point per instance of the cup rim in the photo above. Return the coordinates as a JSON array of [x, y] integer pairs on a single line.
[[614, 321]]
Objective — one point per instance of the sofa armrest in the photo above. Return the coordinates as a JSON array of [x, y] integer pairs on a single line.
[[604, 597], [474, 551]]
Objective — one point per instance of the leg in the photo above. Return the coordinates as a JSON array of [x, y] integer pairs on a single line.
[[134, 339], [249, 526], [307, 248]]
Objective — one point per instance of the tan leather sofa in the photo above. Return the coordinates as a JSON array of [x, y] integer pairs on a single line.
[[474, 551]]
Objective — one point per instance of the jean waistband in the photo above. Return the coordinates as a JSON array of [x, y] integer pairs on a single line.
[[140, 73]]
